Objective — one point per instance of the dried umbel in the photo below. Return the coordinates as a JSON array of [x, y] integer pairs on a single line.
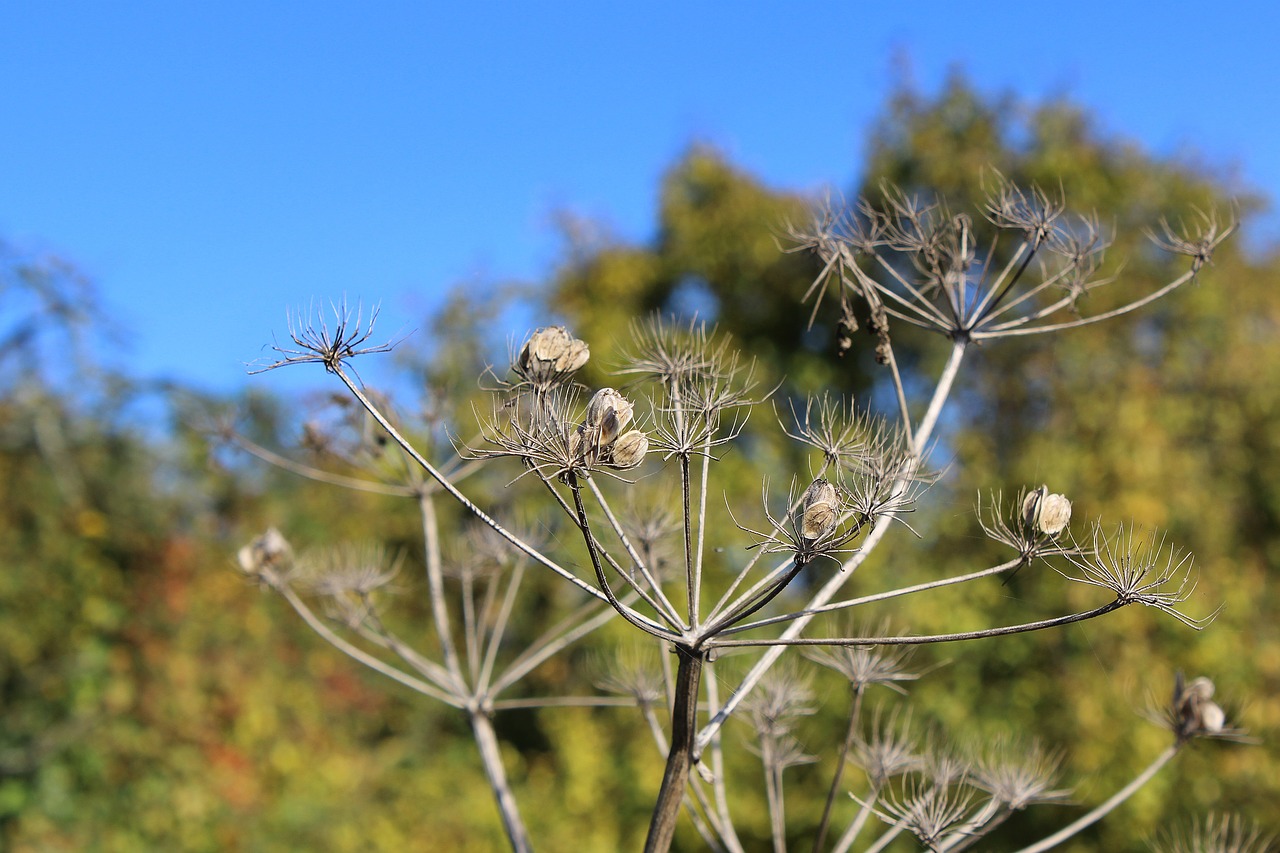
[[819, 510], [550, 354], [1046, 513], [270, 551]]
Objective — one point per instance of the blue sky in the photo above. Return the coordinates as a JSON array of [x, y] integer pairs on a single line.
[[211, 165]]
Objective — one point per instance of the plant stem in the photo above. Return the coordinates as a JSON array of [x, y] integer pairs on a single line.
[[491, 757], [850, 733], [684, 723], [1103, 810]]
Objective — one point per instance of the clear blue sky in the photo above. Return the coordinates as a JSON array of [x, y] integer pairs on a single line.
[[212, 164]]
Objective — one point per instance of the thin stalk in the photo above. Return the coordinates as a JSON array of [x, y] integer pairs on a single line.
[[887, 838], [319, 474], [470, 627], [1103, 810], [627, 577], [980, 634], [879, 596], [491, 758], [694, 616], [747, 610], [901, 392], [376, 632], [684, 724], [435, 586], [455, 493], [626, 612], [686, 506], [1001, 332], [855, 829], [500, 626], [850, 733], [667, 608], [361, 655], [563, 702], [773, 793], [728, 834], [530, 659], [923, 433], [981, 313]]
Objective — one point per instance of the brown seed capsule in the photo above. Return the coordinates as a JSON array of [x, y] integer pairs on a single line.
[[629, 450], [819, 510]]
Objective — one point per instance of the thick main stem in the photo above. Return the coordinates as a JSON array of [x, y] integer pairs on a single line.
[[684, 724], [491, 757]]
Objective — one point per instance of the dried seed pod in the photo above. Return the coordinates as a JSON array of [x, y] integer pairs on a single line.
[[1045, 513], [1054, 514], [1212, 718], [551, 353], [629, 449], [819, 510], [270, 550], [1195, 711], [1031, 506], [573, 358], [609, 412]]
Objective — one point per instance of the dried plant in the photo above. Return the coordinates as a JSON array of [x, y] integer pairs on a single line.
[[682, 397]]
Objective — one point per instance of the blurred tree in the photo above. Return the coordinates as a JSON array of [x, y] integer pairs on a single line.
[[1167, 417], [139, 711]]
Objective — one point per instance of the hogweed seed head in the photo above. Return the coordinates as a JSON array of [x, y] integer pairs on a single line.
[[549, 355], [819, 510]]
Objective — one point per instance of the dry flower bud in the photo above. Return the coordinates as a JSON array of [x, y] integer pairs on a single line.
[[819, 510], [1199, 689], [1212, 718], [1046, 513], [573, 358], [610, 412], [629, 450], [1054, 514], [1195, 712], [549, 353], [1031, 505], [269, 550]]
